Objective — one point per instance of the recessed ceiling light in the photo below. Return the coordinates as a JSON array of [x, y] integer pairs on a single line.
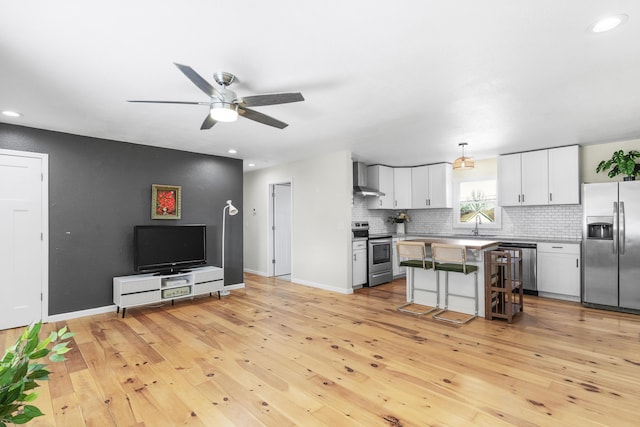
[[232, 151], [608, 23], [11, 114], [251, 165]]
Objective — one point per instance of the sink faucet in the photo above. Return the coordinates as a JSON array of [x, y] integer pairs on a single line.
[[478, 221]]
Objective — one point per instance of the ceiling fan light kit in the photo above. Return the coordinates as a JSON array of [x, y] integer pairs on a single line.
[[224, 112], [225, 106], [463, 162]]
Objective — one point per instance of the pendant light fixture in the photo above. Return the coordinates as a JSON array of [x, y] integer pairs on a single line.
[[463, 162]]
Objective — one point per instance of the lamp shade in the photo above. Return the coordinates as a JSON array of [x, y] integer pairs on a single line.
[[463, 162], [224, 112], [232, 209]]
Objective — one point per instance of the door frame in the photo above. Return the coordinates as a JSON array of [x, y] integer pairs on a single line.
[[44, 253], [271, 221]]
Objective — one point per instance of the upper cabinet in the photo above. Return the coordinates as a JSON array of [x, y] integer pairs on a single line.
[[420, 187], [564, 175], [402, 188], [431, 186], [381, 178], [540, 177], [523, 179]]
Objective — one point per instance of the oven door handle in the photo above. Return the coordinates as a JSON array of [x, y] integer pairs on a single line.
[[382, 273]]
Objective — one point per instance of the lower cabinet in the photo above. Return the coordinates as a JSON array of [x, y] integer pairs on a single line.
[[359, 263], [396, 269], [559, 270], [142, 289]]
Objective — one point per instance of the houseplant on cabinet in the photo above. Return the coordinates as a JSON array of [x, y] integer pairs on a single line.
[[623, 164]]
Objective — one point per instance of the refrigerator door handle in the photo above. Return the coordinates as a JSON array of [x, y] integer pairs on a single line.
[[621, 227], [615, 227]]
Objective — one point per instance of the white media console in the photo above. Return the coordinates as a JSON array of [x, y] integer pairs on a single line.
[[142, 289]]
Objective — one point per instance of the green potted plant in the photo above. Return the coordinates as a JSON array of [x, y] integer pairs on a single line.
[[623, 164], [19, 373]]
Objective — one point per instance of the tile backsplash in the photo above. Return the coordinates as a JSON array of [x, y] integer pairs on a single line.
[[562, 222]]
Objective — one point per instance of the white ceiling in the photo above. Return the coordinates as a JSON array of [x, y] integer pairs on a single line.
[[399, 83]]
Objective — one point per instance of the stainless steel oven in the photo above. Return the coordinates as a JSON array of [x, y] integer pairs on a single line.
[[380, 258]]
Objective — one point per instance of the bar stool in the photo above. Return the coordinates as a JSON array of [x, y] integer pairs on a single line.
[[453, 258], [414, 255]]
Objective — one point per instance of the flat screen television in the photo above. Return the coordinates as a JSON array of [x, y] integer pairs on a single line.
[[169, 249]]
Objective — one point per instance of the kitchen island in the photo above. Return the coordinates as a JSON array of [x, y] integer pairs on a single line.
[[458, 283]]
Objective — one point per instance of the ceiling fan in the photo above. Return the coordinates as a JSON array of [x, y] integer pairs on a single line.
[[225, 106]]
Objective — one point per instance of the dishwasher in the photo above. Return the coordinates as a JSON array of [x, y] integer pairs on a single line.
[[529, 255]]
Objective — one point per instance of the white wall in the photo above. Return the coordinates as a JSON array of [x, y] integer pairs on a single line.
[[591, 155], [321, 220]]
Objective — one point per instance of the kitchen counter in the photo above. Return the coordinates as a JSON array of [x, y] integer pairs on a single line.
[[497, 237], [476, 244]]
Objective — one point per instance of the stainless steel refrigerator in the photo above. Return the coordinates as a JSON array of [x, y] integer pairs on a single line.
[[611, 245]]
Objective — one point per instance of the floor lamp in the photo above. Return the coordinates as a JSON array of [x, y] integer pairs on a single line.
[[232, 211]]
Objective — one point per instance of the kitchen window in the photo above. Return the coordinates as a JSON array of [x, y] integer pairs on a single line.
[[475, 199]]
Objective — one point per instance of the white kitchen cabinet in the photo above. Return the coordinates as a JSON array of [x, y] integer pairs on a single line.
[[509, 180], [431, 186], [402, 188], [396, 269], [535, 178], [381, 178], [539, 177], [523, 179], [559, 270], [359, 271], [564, 175]]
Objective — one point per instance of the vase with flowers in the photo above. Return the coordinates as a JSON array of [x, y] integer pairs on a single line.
[[399, 219]]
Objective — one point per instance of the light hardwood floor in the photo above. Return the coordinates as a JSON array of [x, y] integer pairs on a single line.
[[281, 354]]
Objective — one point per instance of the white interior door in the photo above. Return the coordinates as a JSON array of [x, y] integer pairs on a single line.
[[282, 229], [22, 253]]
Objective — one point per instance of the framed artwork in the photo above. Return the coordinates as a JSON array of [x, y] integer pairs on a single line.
[[165, 201]]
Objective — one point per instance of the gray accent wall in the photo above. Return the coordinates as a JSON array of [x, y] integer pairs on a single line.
[[99, 189]]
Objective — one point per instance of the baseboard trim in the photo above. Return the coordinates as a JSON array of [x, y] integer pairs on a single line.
[[323, 286], [82, 313], [257, 273], [298, 281]]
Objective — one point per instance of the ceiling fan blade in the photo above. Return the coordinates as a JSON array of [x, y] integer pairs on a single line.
[[197, 80], [208, 123], [261, 118], [276, 98], [171, 102]]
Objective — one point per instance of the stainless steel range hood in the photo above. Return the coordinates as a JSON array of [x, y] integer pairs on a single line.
[[360, 181]]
